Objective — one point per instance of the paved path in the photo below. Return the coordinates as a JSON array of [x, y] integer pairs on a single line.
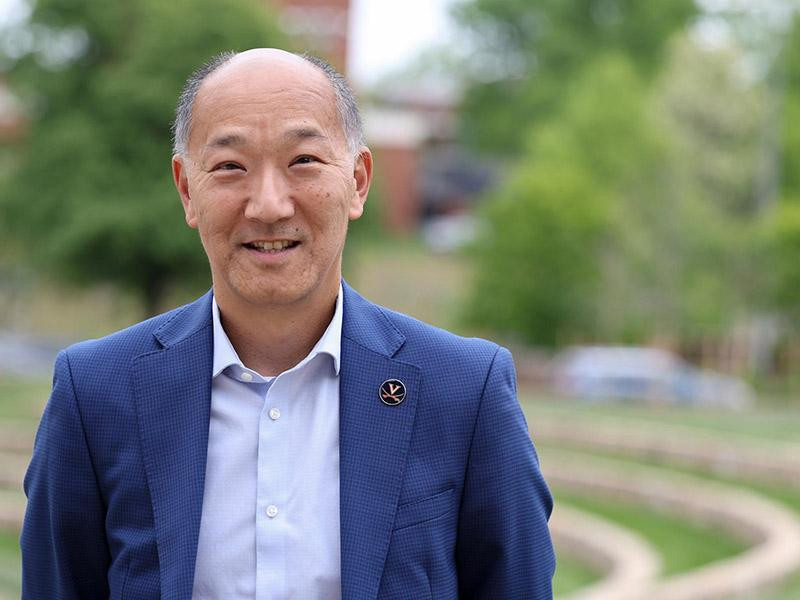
[[629, 562], [755, 460], [773, 529]]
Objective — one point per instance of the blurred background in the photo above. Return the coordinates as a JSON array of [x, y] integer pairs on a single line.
[[611, 188]]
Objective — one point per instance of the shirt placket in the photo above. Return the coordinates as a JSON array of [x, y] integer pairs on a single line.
[[272, 494]]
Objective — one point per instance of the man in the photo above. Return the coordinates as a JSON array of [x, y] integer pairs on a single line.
[[282, 437]]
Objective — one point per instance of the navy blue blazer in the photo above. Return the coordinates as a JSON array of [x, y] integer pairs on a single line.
[[441, 495]]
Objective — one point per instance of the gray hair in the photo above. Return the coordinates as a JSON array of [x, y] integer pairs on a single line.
[[346, 103]]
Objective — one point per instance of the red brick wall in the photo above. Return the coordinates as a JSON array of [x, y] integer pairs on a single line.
[[318, 26]]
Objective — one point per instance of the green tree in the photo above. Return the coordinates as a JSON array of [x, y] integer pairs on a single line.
[[525, 52], [90, 197], [630, 214], [789, 64], [715, 113], [782, 234], [559, 227], [782, 221]]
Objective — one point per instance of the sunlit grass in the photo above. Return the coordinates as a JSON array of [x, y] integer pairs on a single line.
[[571, 575], [767, 426], [404, 276], [759, 423], [787, 590], [22, 399], [10, 565], [683, 545]]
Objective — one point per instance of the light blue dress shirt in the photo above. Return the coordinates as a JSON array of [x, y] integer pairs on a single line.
[[270, 523]]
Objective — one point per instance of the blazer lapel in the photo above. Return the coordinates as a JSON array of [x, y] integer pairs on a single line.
[[172, 388], [373, 442]]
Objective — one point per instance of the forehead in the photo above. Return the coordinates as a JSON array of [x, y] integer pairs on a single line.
[[267, 94]]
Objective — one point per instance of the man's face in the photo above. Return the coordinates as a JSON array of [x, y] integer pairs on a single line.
[[268, 180]]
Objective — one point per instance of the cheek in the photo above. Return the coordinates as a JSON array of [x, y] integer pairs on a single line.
[[217, 214], [332, 201]]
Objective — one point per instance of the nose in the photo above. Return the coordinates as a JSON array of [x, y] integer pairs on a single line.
[[270, 199]]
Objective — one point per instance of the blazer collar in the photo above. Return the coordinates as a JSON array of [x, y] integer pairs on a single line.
[[185, 321], [365, 324], [362, 321]]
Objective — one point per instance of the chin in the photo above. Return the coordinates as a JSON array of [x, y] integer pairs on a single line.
[[273, 292], [278, 288], [272, 295]]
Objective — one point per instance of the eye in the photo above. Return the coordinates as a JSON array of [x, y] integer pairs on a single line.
[[228, 166], [304, 159]]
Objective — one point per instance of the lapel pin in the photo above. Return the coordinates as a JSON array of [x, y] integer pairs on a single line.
[[392, 392]]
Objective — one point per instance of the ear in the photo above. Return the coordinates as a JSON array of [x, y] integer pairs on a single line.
[[181, 179], [362, 174]]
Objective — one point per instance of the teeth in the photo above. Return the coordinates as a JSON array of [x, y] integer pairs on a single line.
[[276, 245]]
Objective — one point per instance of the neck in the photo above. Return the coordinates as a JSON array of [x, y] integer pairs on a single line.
[[272, 339]]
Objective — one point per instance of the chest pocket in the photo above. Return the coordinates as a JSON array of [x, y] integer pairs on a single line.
[[425, 509]]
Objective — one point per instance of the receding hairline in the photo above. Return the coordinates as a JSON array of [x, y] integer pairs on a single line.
[[266, 58], [344, 102]]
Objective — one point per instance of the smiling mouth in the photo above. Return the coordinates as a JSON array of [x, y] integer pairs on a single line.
[[271, 247]]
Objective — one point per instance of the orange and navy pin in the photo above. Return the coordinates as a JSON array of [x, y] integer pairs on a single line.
[[392, 392]]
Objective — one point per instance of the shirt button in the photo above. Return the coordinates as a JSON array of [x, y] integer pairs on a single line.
[[274, 414], [272, 511], [247, 376]]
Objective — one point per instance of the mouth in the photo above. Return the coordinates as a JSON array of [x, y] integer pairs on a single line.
[[271, 247]]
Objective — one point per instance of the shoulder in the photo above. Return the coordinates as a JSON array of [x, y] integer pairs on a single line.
[[427, 342], [121, 347], [446, 358]]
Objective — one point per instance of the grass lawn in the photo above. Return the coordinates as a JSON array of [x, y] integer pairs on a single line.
[[406, 277], [22, 400], [571, 575], [788, 590], [759, 423], [683, 545], [21, 405], [763, 425], [10, 565]]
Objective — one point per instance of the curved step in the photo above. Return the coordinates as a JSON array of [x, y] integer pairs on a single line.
[[773, 529], [756, 460], [629, 562]]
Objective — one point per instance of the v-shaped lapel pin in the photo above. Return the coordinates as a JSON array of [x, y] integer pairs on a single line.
[[392, 392]]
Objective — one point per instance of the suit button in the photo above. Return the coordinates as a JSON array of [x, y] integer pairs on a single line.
[[272, 511]]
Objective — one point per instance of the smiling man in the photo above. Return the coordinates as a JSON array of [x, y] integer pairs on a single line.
[[282, 437]]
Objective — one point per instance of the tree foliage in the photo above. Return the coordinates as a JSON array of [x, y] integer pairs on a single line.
[[790, 115], [556, 221], [782, 223], [631, 211], [526, 52], [90, 197]]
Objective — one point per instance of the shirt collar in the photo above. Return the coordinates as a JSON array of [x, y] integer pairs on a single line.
[[330, 343]]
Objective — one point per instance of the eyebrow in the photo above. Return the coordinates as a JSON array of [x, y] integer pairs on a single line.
[[294, 134], [303, 133], [226, 140]]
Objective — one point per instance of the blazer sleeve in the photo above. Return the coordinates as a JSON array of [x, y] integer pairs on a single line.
[[64, 549], [504, 548]]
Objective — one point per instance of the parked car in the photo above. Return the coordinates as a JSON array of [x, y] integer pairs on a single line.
[[604, 373], [447, 233]]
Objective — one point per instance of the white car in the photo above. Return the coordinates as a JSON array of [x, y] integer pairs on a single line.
[[596, 373]]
